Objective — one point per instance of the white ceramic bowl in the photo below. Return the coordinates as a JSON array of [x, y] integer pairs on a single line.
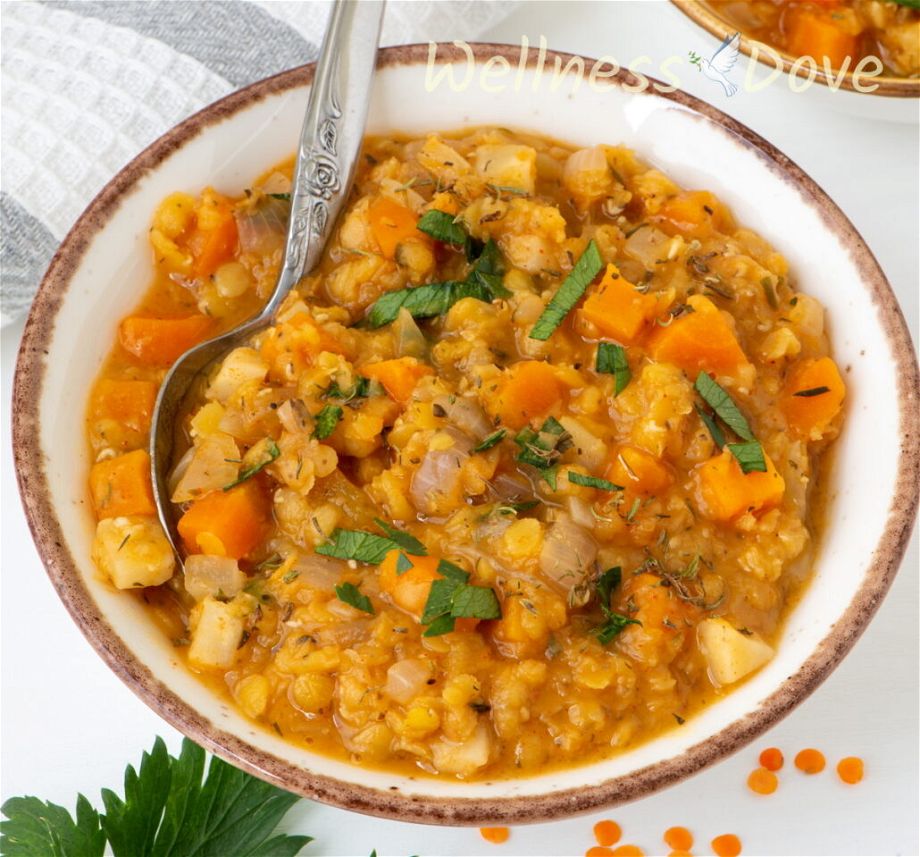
[[104, 265]]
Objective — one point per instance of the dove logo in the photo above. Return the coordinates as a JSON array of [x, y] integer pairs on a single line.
[[717, 67]]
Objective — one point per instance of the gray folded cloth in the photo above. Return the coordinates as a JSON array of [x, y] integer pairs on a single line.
[[87, 85]]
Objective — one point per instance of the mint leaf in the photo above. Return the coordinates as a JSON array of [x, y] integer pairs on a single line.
[[369, 547], [717, 435], [723, 405], [475, 602], [454, 572], [569, 293], [408, 542], [488, 442], [440, 599], [350, 594], [541, 449], [403, 564], [612, 626], [442, 227], [611, 360], [750, 456], [271, 451], [452, 597], [592, 481], [326, 421], [606, 583], [442, 625]]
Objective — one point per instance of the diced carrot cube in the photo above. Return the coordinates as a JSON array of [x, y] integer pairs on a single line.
[[617, 310], [162, 341], [127, 402], [121, 486], [229, 523], [824, 391], [215, 245], [698, 340], [695, 212], [725, 491], [398, 376], [528, 390], [818, 34], [639, 472], [391, 224], [292, 346]]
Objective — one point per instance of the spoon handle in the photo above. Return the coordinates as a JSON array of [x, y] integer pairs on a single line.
[[330, 140]]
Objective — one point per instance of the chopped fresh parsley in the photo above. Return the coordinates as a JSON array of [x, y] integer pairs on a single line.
[[613, 622], [326, 421], [812, 391], [167, 809], [592, 481], [452, 597], [750, 456], [718, 435], [611, 360], [542, 448], [484, 283], [487, 443], [369, 547], [271, 452], [722, 404], [350, 594], [443, 227], [360, 389], [403, 564], [569, 293]]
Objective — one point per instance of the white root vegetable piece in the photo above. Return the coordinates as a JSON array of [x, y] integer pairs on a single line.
[[406, 679], [212, 576], [239, 366], [133, 552], [592, 451], [568, 553], [508, 166], [463, 758], [587, 174], [439, 473], [217, 629], [214, 463], [730, 655]]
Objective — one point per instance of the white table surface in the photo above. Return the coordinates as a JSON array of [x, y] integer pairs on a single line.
[[69, 725]]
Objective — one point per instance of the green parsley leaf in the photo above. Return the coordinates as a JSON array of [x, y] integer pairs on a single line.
[[452, 572], [477, 602], [36, 829], [326, 421], [592, 481], [408, 542], [613, 624], [487, 443], [611, 360], [812, 391], [359, 545], [452, 597], [442, 227], [360, 389], [403, 564], [167, 810], [750, 456], [440, 599], [442, 625], [717, 435], [569, 293], [722, 404], [541, 449], [483, 283], [606, 583], [272, 452], [350, 594]]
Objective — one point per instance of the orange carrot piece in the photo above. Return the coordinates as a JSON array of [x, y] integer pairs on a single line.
[[161, 341], [762, 782], [699, 340], [392, 224], [127, 402], [607, 832], [213, 247], [695, 212], [233, 521], [528, 390], [724, 491], [495, 835], [678, 838], [810, 761], [850, 770], [628, 851], [292, 346], [638, 472], [121, 486], [818, 35], [599, 851], [812, 397], [726, 845], [398, 376], [617, 310], [771, 759]]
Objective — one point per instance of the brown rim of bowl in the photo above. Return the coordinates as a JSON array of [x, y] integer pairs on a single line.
[[62, 569], [701, 13]]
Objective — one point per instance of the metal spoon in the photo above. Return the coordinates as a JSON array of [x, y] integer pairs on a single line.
[[330, 141]]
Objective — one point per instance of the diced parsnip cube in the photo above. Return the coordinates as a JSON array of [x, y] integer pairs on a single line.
[[441, 160], [462, 758], [592, 451], [508, 166], [216, 633], [730, 655], [214, 576], [133, 552], [214, 464], [239, 366]]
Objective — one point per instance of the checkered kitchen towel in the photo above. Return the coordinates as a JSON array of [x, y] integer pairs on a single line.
[[86, 85]]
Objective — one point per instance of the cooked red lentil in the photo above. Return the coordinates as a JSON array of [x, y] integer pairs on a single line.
[[524, 474]]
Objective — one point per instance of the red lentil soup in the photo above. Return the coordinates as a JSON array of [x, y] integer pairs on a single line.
[[524, 473]]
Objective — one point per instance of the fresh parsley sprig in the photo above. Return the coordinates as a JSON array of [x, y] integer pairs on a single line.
[[167, 810], [370, 548]]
